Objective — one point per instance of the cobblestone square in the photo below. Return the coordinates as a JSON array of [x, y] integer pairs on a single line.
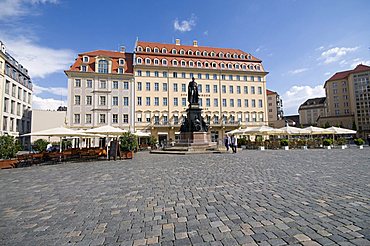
[[297, 197]]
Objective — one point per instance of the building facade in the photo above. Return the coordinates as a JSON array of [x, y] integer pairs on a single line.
[[100, 90], [149, 93], [55, 119], [311, 110], [348, 99], [275, 109], [231, 85], [16, 98]]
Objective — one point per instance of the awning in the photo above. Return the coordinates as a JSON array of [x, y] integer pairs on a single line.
[[162, 133]]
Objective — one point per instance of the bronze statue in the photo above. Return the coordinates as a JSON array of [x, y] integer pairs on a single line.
[[193, 95]]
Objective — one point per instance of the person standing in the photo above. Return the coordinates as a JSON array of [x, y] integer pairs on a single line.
[[234, 143], [368, 139], [227, 142]]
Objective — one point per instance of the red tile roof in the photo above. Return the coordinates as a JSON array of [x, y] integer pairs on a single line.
[[268, 92], [344, 74]]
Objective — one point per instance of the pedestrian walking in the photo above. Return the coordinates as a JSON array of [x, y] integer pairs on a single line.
[[234, 143], [227, 142], [368, 139]]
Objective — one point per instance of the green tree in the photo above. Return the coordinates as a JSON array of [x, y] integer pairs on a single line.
[[8, 147], [128, 142], [40, 145]]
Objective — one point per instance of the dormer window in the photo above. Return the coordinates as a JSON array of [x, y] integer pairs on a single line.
[[220, 54], [229, 66], [214, 65], [139, 60], [258, 68], [85, 59], [182, 52], [183, 63], [206, 64], [174, 63], [251, 67], [212, 53], [222, 65], [249, 57], [199, 64], [164, 50], [191, 64], [156, 50], [164, 62], [147, 61], [235, 55], [103, 66], [120, 70], [139, 49], [237, 66], [83, 68], [190, 52], [205, 53], [227, 55], [174, 51], [147, 49], [197, 53], [244, 67], [121, 61], [156, 62], [242, 56]]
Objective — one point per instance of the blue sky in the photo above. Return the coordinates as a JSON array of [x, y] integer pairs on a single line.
[[301, 43]]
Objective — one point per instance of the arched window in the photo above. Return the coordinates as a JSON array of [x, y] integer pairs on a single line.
[[174, 63], [237, 66], [212, 53], [164, 50], [103, 66], [121, 61], [147, 61], [199, 64], [242, 56], [156, 50], [197, 53], [229, 66], [258, 67], [222, 65], [174, 51], [147, 49], [156, 61], [220, 54], [235, 55], [205, 53], [182, 52], [183, 63], [227, 55], [190, 52], [206, 64], [191, 64], [249, 57], [244, 67], [139, 49], [214, 65], [164, 62], [251, 67]]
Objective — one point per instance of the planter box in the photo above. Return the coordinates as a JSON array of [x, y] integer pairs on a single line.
[[261, 148], [286, 147], [243, 146], [343, 147], [127, 154], [327, 147], [304, 147], [360, 146]]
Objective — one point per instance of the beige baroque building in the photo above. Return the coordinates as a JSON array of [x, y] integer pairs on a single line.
[[311, 110], [275, 109], [100, 90], [231, 84], [16, 98], [348, 99]]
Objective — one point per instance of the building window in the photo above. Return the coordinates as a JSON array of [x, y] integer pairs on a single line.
[[175, 89], [139, 118], [115, 118], [121, 62], [231, 89], [239, 103], [208, 102], [223, 77], [103, 84], [156, 74], [260, 105], [174, 63], [253, 103], [102, 100], [139, 101], [224, 102], [224, 89], [238, 77], [77, 83], [208, 89], [207, 76], [115, 101], [147, 73], [175, 101], [77, 119], [199, 88], [183, 75], [156, 86], [200, 102], [165, 74], [183, 102], [139, 60], [88, 100], [253, 90], [199, 76], [215, 88], [164, 62], [77, 100], [191, 75], [215, 102], [88, 118], [83, 68], [148, 118], [174, 74], [147, 61], [230, 77], [125, 85], [86, 59], [139, 73], [103, 66], [183, 87], [231, 102], [176, 119], [125, 118], [147, 86], [164, 86], [102, 118], [260, 90], [125, 101], [156, 101], [115, 85], [252, 78], [165, 101], [147, 102], [191, 64]]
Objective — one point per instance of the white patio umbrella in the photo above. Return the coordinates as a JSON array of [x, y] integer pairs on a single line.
[[263, 130], [236, 131], [142, 134], [58, 132], [313, 130], [341, 131], [107, 131], [290, 130]]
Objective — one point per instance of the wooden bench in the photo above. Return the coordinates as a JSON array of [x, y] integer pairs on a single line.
[[6, 164]]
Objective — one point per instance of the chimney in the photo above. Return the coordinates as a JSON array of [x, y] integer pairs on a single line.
[[177, 41], [122, 49], [195, 43]]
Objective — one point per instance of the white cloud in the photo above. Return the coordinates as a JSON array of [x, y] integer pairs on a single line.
[[327, 73], [336, 53], [357, 61], [296, 71], [258, 49], [39, 60], [296, 95], [14, 8], [185, 25], [58, 91], [205, 33], [320, 48], [47, 103]]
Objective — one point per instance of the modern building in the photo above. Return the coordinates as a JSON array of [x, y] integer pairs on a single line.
[[54, 119], [147, 90], [231, 84], [101, 90], [15, 98], [311, 110], [275, 109], [348, 99]]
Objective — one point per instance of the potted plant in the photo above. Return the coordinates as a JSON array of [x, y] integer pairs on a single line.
[[242, 143], [284, 143], [302, 143], [40, 145], [327, 143], [259, 143], [359, 142], [128, 144], [342, 143], [8, 151], [153, 142]]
